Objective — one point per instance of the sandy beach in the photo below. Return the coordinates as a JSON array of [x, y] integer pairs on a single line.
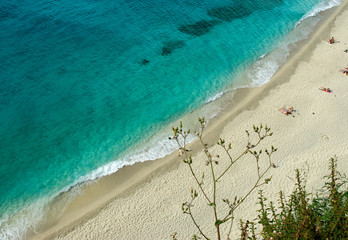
[[148, 204]]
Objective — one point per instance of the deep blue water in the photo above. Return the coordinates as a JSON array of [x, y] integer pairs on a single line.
[[83, 82]]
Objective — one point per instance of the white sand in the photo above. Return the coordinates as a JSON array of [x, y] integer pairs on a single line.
[[318, 131]]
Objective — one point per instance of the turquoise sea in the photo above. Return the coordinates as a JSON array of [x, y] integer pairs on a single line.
[[88, 86]]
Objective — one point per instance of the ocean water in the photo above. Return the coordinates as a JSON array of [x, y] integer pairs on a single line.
[[88, 86]]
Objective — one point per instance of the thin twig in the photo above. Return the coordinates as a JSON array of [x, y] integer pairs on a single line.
[[194, 221]]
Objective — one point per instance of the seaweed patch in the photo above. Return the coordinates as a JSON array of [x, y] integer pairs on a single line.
[[199, 28], [170, 46]]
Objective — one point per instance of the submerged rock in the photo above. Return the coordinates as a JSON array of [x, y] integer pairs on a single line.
[[170, 46], [145, 61], [199, 28]]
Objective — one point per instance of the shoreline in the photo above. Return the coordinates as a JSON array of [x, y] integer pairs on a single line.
[[97, 196]]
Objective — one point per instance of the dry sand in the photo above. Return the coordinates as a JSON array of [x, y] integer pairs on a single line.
[[148, 206]]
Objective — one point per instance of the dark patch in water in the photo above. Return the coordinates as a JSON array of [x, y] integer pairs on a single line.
[[169, 47], [241, 10], [8, 11], [145, 61], [199, 28], [230, 13]]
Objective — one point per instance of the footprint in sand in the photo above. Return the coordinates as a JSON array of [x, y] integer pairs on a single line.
[[324, 137]]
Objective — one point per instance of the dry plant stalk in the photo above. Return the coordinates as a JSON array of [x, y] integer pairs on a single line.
[[180, 136]]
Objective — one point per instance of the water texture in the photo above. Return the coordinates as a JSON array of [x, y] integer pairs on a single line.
[[84, 83]]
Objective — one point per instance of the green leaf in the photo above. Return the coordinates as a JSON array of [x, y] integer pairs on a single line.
[[219, 222]]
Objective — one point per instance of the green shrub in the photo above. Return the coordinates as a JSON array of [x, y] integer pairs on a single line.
[[299, 217]]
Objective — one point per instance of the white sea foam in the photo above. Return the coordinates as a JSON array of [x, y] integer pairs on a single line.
[[262, 56], [320, 7], [217, 96], [17, 225], [156, 148], [263, 69], [159, 145]]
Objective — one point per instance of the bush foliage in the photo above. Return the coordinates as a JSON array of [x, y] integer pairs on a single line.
[[324, 216]]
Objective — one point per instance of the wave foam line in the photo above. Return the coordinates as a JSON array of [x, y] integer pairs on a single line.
[[320, 7], [17, 225], [217, 96], [268, 64]]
